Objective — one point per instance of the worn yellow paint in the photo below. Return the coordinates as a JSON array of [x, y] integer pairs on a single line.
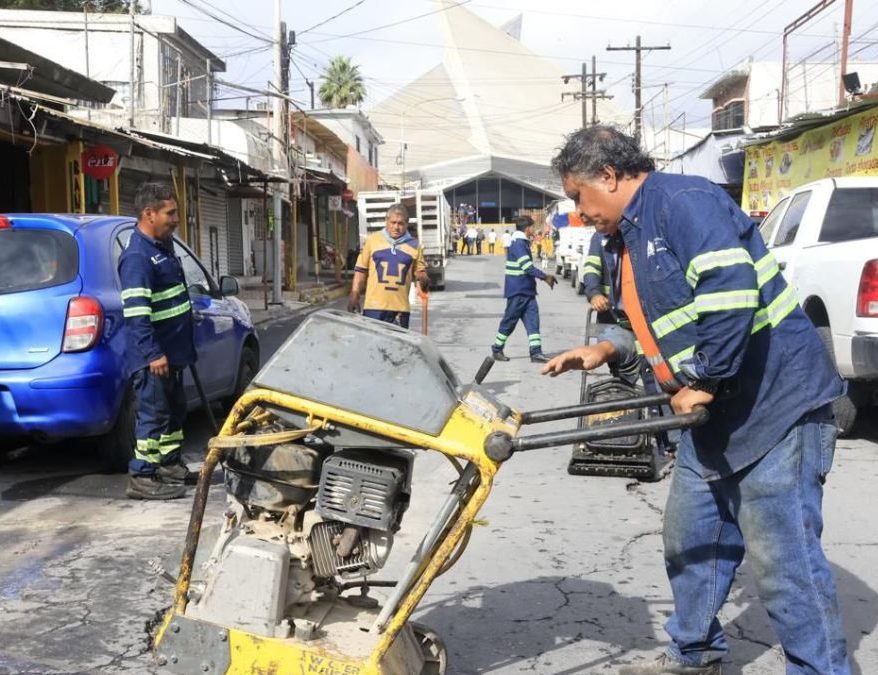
[[75, 178], [113, 183], [462, 437]]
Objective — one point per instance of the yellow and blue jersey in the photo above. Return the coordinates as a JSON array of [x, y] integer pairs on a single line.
[[389, 268]]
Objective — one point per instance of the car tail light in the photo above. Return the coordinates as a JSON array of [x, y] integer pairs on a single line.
[[85, 321], [867, 296], [5, 223]]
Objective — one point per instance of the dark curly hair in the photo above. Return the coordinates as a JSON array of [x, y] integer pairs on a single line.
[[591, 149], [151, 195]]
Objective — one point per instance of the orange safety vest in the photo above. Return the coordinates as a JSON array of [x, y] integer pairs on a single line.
[[631, 305]]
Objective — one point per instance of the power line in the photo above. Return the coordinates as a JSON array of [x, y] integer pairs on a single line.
[[334, 16], [397, 23], [238, 28]]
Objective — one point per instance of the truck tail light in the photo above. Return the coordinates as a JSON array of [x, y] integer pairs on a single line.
[[84, 324], [867, 296]]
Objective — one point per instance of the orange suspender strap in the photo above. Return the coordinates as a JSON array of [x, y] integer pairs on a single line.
[[631, 305]]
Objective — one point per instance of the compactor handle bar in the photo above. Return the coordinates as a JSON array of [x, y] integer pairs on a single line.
[[499, 446]]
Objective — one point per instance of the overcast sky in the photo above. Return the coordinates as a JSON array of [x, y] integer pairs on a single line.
[[706, 39]]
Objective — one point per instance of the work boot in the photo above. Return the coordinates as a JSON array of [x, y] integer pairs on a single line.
[[148, 486], [665, 665], [539, 357], [176, 473], [499, 355]]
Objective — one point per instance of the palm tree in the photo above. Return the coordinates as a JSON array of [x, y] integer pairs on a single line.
[[342, 84]]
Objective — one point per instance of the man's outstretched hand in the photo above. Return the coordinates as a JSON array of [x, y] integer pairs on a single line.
[[551, 280], [581, 358]]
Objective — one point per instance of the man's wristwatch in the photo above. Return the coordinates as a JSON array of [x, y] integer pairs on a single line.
[[708, 386]]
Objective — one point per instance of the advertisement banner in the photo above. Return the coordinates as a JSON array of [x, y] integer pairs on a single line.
[[844, 148]]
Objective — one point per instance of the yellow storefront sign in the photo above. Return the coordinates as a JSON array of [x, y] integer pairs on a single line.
[[844, 148]]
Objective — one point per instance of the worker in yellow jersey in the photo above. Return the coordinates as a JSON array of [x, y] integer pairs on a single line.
[[390, 260]]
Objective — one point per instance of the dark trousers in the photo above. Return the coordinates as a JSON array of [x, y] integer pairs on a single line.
[[524, 308], [400, 318], [161, 411]]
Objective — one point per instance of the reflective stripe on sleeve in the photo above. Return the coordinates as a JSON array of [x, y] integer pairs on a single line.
[[170, 313], [726, 300], [713, 259], [136, 293]]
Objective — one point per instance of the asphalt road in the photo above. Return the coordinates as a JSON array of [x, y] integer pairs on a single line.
[[565, 574]]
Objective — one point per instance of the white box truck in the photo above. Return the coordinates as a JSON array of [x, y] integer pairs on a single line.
[[429, 221]]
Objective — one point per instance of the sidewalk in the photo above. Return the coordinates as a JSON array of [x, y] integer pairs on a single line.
[[308, 296]]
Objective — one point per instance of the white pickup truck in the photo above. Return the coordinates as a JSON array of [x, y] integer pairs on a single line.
[[824, 236]]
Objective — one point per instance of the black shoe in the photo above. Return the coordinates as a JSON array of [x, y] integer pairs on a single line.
[[664, 665], [176, 473], [539, 357], [150, 487], [499, 355]]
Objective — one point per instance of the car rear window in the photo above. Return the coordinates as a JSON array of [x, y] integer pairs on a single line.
[[33, 259], [852, 214]]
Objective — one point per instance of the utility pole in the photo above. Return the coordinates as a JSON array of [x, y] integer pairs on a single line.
[[131, 88], [279, 163], [638, 49], [587, 79]]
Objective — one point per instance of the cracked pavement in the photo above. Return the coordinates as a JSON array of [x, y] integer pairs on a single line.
[[563, 575]]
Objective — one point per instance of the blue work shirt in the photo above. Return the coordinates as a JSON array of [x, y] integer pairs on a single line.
[[155, 304], [521, 274], [719, 309]]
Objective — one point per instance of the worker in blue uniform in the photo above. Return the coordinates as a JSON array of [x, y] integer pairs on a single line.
[[160, 345], [520, 291], [720, 328]]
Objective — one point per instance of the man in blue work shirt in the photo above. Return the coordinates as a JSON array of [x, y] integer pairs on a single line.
[[726, 332], [160, 345], [520, 291]]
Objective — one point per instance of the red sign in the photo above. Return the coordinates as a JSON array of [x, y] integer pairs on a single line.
[[100, 162], [347, 195]]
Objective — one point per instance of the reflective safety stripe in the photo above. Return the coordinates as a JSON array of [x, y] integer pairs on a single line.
[[136, 311], [674, 320], [172, 312], [674, 361], [534, 339], [522, 259], [638, 348], [777, 310], [590, 269], [147, 450], [726, 300], [605, 290], [593, 260], [516, 273], [136, 293], [171, 438], [766, 269], [708, 261], [169, 293], [501, 339], [527, 265]]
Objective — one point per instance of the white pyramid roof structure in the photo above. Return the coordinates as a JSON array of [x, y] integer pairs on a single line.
[[491, 97]]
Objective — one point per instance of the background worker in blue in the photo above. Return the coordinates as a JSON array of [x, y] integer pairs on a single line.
[[595, 279], [160, 344], [728, 334], [520, 291]]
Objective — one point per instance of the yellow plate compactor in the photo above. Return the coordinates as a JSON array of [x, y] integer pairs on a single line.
[[317, 458]]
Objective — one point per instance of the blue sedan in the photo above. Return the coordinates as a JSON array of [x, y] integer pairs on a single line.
[[62, 372]]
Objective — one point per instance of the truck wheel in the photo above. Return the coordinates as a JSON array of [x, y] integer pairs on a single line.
[[432, 649], [844, 408], [116, 447]]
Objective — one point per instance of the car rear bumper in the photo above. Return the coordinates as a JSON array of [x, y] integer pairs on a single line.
[[864, 355], [47, 404]]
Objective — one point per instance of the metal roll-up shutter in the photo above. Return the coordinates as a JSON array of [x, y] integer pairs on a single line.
[[214, 229], [236, 238]]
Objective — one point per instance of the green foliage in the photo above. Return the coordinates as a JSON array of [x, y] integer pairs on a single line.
[[108, 6], [342, 84]]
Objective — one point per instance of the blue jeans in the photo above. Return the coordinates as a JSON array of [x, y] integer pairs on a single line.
[[401, 318], [774, 509]]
